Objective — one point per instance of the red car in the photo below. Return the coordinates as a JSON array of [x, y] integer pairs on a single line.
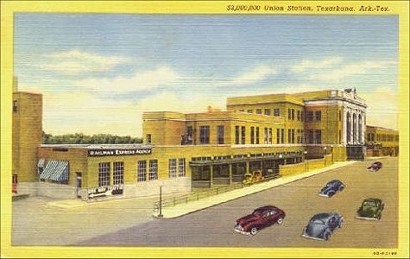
[[260, 218]]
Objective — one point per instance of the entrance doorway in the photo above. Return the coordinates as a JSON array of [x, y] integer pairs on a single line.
[[78, 182]]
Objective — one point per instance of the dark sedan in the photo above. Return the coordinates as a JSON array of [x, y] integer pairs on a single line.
[[371, 209], [260, 218], [376, 166], [331, 188], [322, 225]]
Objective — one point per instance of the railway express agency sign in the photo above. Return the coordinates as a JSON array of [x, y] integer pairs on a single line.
[[120, 151]]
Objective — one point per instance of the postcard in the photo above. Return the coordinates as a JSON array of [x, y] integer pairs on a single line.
[[254, 129]]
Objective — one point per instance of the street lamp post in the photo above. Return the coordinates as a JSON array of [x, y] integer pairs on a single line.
[[305, 160], [160, 202]]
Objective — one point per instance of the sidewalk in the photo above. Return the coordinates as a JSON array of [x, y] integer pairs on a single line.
[[183, 209]]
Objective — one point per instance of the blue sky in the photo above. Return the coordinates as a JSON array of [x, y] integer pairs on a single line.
[[99, 72]]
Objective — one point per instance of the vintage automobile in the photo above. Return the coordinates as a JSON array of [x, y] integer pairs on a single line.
[[260, 218], [376, 166], [371, 209], [253, 177], [322, 225], [331, 188]]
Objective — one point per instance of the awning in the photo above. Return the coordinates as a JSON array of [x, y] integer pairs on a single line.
[[56, 170]]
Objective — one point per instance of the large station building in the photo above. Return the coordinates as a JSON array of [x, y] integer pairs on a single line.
[[275, 134]]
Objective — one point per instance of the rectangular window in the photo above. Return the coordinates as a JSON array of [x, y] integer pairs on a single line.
[[221, 134], [15, 106], [189, 135], [250, 111], [103, 174], [282, 134], [252, 135], [309, 137], [318, 136], [318, 115], [293, 114], [298, 115], [309, 116], [172, 168], [118, 173], [142, 171], [258, 111], [276, 112], [149, 139], [204, 134], [278, 136], [257, 135], [293, 136], [153, 170], [236, 134], [270, 136], [289, 136], [181, 167], [267, 112], [289, 114], [243, 134]]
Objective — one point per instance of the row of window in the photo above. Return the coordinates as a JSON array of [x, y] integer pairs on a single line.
[[104, 173], [382, 137]]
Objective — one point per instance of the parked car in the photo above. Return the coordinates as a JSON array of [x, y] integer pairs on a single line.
[[371, 209], [260, 218], [253, 177], [331, 188], [376, 166], [322, 225]]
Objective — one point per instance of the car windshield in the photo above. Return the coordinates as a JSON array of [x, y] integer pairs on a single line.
[[318, 221], [369, 203]]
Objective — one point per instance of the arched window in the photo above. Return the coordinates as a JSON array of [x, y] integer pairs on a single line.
[[354, 128], [348, 128], [360, 137]]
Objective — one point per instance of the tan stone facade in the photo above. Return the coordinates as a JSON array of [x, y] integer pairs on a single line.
[[273, 134], [381, 141], [26, 135]]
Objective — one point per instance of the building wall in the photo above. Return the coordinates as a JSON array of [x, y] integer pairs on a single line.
[[381, 141], [27, 134]]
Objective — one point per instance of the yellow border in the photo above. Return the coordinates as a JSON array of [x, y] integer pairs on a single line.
[[8, 8]]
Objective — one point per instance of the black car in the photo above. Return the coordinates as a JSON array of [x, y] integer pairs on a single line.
[[376, 166], [322, 225], [331, 188]]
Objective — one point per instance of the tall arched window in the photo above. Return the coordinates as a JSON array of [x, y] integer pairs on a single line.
[[348, 128], [360, 137], [354, 128]]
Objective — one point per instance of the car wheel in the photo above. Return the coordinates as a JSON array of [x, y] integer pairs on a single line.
[[326, 235], [280, 221], [341, 222], [379, 217], [341, 188], [331, 194], [254, 230]]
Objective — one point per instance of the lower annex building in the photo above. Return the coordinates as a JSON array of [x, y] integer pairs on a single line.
[[273, 134]]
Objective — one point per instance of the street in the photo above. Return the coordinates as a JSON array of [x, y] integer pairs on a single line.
[[213, 227]]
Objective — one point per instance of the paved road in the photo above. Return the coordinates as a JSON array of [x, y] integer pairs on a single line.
[[214, 226]]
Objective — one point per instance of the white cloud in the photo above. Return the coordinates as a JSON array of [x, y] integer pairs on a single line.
[[316, 64], [149, 79], [255, 75], [351, 69], [75, 62]]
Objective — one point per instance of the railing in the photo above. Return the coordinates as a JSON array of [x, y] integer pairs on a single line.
[[197, 195]]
